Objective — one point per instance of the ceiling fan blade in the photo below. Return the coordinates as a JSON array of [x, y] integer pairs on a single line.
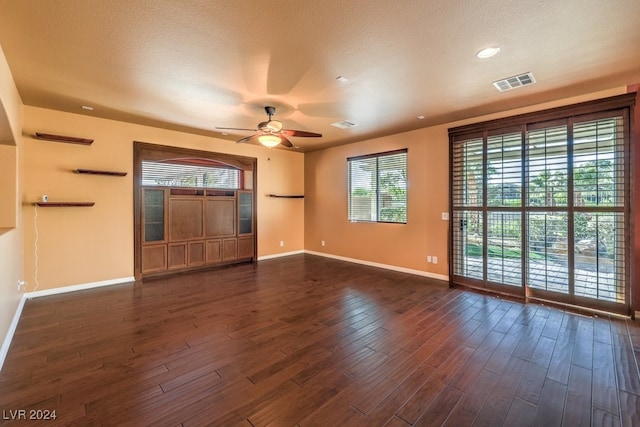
[[284, 141], [251, 130], [252, 138], [291, 132]]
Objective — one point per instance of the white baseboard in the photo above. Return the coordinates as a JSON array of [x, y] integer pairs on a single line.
[[385, 266], [80, 287], [265, 257], [4, 350]]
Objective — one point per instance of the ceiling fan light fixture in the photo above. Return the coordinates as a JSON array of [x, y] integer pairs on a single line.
[[274, 125], [270, 133], [269, 140]]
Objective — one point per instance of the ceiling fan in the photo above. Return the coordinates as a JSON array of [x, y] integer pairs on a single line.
[[271, 133]]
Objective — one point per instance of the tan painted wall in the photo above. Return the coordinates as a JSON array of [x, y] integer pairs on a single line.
[[87, 245], [398, 245], [11, 254]]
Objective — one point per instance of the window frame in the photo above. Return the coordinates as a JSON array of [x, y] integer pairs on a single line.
[[571, 114], [350, 182]]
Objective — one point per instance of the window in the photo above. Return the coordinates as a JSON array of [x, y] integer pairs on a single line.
[[183, 174], [378, 187], [540, 205]]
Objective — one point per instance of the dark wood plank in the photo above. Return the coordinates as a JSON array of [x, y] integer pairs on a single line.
[[465, 379], [400, 394], [396, 422], [560, 363], [626, 364], [583, 347], [601, 330], [553, 324], [429, 392], [577, 407], [438, 412], [530, 337], [603, 382], [472, 401], [521, 413], [499, 400], [530, 387], [305, 340], [551, 405], [630, 409], [604, 419], [500, 357]]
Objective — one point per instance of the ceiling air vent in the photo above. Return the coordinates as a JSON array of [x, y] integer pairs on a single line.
[[345, 124], [514, 82]]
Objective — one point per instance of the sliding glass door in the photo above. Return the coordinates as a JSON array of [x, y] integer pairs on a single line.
[[541, 209]]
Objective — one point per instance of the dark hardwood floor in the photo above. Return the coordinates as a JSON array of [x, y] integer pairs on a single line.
[[310, 341]]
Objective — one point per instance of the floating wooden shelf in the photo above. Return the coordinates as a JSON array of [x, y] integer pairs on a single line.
[[61, 138], [287, 196], [97, 172], [64, 204]]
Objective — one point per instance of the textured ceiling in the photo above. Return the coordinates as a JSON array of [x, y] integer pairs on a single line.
[[194, 65]]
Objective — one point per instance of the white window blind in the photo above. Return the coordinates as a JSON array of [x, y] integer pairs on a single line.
[[542, 205], [185, 175], [378, 187]]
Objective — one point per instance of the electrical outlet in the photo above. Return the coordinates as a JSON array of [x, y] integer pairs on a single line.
[[45, 198], [429, 258], [21, 283], [445, 216], [281, 243], [322, 243], [435, 259]]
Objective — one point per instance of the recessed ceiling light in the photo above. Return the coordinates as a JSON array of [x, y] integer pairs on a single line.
[[342, 79], [488, 52], [86, 107], [420, 117]]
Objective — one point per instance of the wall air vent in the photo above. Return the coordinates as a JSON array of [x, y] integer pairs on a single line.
[[345, 124], [514, 82]]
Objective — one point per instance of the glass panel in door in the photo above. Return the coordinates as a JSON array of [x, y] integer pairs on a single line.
[[467, 217], [547, 254], [599, 198]]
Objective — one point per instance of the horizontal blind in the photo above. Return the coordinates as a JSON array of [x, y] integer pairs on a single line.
[[550, 212], [182, 175], [598, 159], [468, 244], [600, 228], [546, 166], [467, 186], [378, 187], [548, 256], [467, 164], [504, 170]]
